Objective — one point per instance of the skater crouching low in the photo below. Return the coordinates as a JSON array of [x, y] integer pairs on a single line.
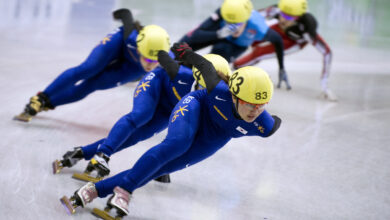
[[227, 108]]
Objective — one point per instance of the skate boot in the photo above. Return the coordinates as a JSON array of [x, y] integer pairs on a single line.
[[163, 179], [98, 163], [283, 77], [70, 158], [119, 201], [81, 197], [37, 104]]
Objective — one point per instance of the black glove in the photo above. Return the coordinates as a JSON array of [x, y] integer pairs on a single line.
[[168, 64], [126, 17], [180, 49]]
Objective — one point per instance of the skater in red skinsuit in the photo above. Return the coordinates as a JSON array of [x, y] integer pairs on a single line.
[[297, 29]]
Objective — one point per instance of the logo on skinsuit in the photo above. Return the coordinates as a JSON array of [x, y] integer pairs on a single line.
[[261, 129], [150, 76], [188, 99], [141, 87], [179, 112], [240, 129], [106, 39]]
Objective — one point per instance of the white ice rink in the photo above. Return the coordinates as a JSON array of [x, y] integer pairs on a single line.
[[327, 161]]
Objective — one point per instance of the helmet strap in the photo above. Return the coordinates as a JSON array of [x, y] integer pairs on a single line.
[[235, 109]]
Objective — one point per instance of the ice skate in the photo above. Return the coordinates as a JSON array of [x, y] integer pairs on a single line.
[[98, 163], [163, 179], [37, 104], [81, 197], [119, 201], [24, 116], [31, 109], [283, 77], [70, 158]]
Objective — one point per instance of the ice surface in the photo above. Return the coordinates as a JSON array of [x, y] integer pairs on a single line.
[[327, 161]]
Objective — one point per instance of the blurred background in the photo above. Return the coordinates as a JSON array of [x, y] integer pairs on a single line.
[[328, 160]]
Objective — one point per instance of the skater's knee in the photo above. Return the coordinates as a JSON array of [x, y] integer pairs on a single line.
[[138, 118]]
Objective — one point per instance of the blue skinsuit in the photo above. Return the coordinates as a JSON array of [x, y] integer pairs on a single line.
[[154, 98], [111, 63], [230, 47], [200, 124]]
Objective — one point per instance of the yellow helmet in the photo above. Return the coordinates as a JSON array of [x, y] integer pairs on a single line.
[[293, 7], [236, 11], [219, 63], [251, 84], [151, 39]]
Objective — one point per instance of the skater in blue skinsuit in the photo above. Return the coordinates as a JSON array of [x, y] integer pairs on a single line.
[[200, 124], [154, 98], [122, 56], [232, 29]]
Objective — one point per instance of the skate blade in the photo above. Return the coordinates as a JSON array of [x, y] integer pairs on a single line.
[[56, 166], [25, 117], [85, 177], [103, 214], [67, 205]]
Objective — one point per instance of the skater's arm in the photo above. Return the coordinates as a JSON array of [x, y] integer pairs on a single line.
[[277, 41], [308, 25], [206, 68], [126, 17], [326, 52], [207, 31], [170, 66], [275, 127], [184, 53], [268, 124], [269, 12]]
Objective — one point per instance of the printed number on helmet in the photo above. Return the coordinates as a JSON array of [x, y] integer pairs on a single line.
[[261, 95], [140, 37], [197, 75], [236, 87], [153, 53]]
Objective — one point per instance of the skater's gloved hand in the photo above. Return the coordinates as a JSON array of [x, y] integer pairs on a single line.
[[283, 77], [228, 30], [171, 66], [180, 49]]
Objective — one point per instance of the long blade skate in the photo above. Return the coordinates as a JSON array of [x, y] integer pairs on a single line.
[[86, 177], [57, 166], [25, 117], [68, 205], [104, 214]]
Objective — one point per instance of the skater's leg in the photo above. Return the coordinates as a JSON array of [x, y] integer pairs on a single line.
[[264, 50], [145, 101], [114, 75], [104, 53], [181, 132], [227, 50], [201, 149], [90, 150], [157, 124]]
